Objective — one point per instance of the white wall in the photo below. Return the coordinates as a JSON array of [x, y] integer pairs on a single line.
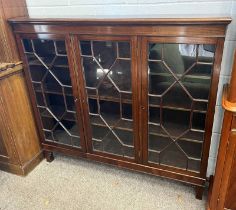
[[78, 8]]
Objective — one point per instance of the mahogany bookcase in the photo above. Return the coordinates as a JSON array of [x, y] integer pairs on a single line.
[[136, 93]]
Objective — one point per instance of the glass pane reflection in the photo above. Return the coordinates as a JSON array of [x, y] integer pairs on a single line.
[[179, 85], [107, 73], [49, 71]]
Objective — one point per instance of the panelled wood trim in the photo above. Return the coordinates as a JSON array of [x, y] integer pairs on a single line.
[[157, 30], [197, 181], [22, 170], [30, 165], [124, 21], [219, 175], [19, 117], [11, 168], [18, 132], [103, 38], [227, 170], [8, 138], [183, 40], [48, 36]]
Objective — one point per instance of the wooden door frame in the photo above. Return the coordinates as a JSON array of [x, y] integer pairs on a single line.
[[69, 49], [211, 104], [76, 38]]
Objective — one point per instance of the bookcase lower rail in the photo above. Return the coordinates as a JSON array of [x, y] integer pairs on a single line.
[[163, 171]]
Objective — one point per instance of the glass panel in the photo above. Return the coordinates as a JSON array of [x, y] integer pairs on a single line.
[[107, 73], [49, 70], [194, 165], [173, 156], [175, 122], [191, 148], [179, 84]]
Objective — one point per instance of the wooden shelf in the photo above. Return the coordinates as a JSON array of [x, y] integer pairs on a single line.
[[129, 101], [110, 98], [52, 90], [180, 139], [111, 121], [61, 137], [174, 107], [58, 111], [126, 101], [196, 136], [188, 76], [176, 131], [36, 62]]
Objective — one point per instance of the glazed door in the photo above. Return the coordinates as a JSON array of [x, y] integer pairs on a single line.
[[176, 85], [54, 90], [107, 70]]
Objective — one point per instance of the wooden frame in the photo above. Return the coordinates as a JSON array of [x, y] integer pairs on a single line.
[[72, 73], [222, 190], [84, 95], [212, 99], [197, 31]]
